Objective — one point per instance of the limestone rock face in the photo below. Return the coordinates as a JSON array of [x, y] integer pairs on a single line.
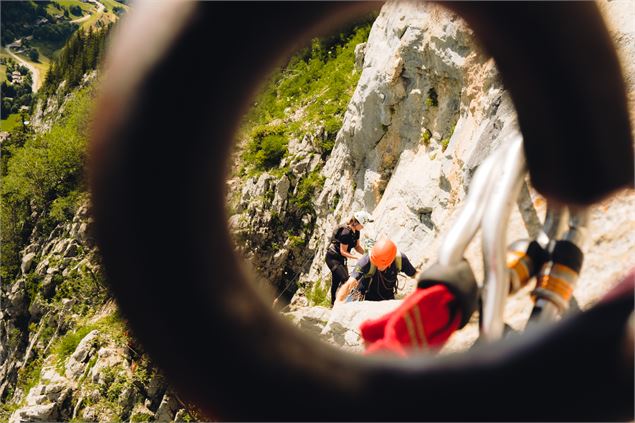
[[77, 361], [44, 402], [340, 326], [428, 109]]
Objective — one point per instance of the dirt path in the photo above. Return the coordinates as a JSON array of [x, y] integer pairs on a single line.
[[35, 74], [100, 9]]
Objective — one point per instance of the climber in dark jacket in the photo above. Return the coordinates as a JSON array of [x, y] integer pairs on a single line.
[[345, 238], [375, 274]]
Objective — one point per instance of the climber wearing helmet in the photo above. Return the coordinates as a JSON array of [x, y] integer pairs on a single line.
[[344, 239], [375, 274]]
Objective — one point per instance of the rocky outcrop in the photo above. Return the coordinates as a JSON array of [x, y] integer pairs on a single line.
[[64, 353], [340, 326], [271, 227], [429, 107], [47, 110]]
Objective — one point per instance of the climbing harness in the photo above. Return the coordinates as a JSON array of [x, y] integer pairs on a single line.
[[356, 294]]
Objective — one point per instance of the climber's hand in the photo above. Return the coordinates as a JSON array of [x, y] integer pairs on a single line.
[[459, 280]]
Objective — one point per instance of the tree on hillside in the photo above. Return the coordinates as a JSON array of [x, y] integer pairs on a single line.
[[34, 55], [76, 10], [80, 55]]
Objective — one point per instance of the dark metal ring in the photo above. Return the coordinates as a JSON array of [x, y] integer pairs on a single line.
[[179, 78]]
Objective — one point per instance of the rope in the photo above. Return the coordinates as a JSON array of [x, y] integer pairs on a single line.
[[292, 280]]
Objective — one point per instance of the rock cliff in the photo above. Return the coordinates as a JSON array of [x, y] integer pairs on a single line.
[[65, 353], [428, 108]]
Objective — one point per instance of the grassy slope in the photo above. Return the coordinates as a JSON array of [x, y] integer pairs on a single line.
[[66, 4], [105, 17], [317, 83], [10, 122]]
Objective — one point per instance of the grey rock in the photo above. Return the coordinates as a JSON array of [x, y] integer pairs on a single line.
[[76, 363], [27, 263], [167, 409], [60, 246], [107, 357], [42, 266], [35, 413], [280, 194], [360, 52], [16, 299], [340, 326], [37, 308], [141, 413], [72, 250]]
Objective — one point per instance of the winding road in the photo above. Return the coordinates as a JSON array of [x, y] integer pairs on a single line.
[[35, 74], [100, 9]]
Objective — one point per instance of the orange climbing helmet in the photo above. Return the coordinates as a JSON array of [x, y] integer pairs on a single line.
[[383, 253]]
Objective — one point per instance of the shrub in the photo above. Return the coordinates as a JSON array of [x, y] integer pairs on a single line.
[[444, 144], [307, 187], [29, 375], [319, 295], [426, 135], [34, 55], [267, 147], [67, 344], [432, 100], [64, 208], [296, 241], [272, 149], [75, 10]]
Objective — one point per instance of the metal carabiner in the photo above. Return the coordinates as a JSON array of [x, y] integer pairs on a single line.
[[496, 285], [558, 277]]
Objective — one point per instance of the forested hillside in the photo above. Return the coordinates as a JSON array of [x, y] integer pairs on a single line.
[[65, 352], [33, 18], [33, 34]]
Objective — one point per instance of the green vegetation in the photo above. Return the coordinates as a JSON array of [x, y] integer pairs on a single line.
[[296, 241], [141, 417], [12, 122], [316, 85], [81, 284], [19, 18], [307, 187], [444, 144], [319, 295], [266, 147], [42, 175], [16, 90], [425, 137], [446, 140], [29, 375], [111, 325], [67, 344], [81, 54], [70, 6], [432, 100]]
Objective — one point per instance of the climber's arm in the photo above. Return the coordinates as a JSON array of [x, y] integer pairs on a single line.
[[359, 248], [346, 289]]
